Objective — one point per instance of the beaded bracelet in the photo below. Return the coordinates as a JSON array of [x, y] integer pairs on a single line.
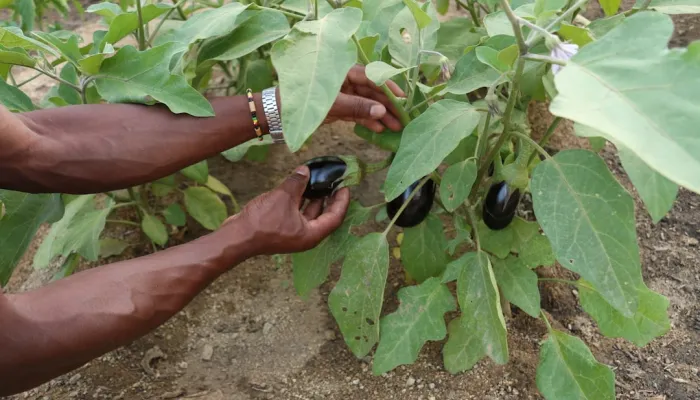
[[254, 114]]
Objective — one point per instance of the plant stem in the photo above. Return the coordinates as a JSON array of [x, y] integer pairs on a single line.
[[283, 11], [547, 59], [165, 18], [472, 221], [180, 11], [532, 26], [59, 79], [557, 21], [514, 92], [533, 144], [404, 117], [121, 221], [421, 104], [127, 204], [406, 203], [135, 199], [482, 140], [546, 321], [28, 80], [142, 34], [547, 135], [236, 206], [515, 23], [414, 75], [315, 9], [470, 7]]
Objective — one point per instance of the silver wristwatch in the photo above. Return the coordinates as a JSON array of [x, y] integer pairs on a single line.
[[272, 114]]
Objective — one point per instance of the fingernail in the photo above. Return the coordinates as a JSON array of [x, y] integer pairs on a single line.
[[303, 171], [377, 111]]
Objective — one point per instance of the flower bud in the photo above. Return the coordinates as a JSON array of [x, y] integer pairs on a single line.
[[563, 51]]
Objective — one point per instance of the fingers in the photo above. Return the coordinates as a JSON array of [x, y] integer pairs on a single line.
[[313, 209], [332, 217], [357, 108], [357, 76], [389, 119], [295, 184]]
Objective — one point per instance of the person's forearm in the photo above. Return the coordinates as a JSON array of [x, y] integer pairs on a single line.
[[103, 147], [57, 328]]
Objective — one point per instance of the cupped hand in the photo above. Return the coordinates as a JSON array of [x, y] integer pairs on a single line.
[[279, 225], [363, 102]]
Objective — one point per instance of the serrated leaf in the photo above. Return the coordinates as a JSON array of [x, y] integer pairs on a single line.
[[537, 252], [112, 247], [261, 28], [427, 140], [405, 51], [131, 76], [154, 229], [11, 37], [518, 284], [379, 72], [457, 182], [205, 207], [356, 301], [310, 84], [575, 34], [423, 249], [125, 23], [420, 16], [481, 330], [673, 6], [174, 215], [568, 370], [198, 172], [24, 214], [69, 49], [653, 119], [311, 267], [14, 99], [419, 318], [650, 320], [577, 200]]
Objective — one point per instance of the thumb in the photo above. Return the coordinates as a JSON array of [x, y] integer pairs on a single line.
[[295, 184], [358, 108]]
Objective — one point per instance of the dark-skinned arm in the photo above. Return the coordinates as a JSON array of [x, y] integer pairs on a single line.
[[102, 147], [52, 330]]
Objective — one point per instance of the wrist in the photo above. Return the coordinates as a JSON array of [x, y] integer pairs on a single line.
[[231, 244]]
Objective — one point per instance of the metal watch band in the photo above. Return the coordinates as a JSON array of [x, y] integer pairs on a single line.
[[274, 121]]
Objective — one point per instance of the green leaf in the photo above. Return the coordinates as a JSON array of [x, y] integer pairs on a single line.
[[624, 90], [423, 249], [27, 11], [481, 330], [673, 6], [490, 57], [205, 207], [577, 201], [547, 6], [311, 267], [112, 247], [379, 72], [131, 76], [463, 235], [125, 23], [575, 34], [406, 54], [386, 140], [356, 301], [610, 7], [600, 27], [421, 17], [497, 23], [597, 143], [217, 186], [69, 94], [69, 49], [443, 6], [650, 320], [508, 56], [568, 370], [427, 140], [13, 37], [456, 183], [536, 252], [518, 283], [471, 74], [16, 57], [14, 99], [456, 35], [197, 172], [367, 45], [106, 10], [91, 64], [302, 7], [261, 28], [154, 229], [309, 84], [419, 318], [24, 214], [380, 14], [657, 192], [174, 215], [237, 153]]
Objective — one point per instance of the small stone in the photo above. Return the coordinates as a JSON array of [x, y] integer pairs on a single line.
[[74, 379], [421, 386], [207, 352], [356, 382], [182, 365], [431, 386], [410, 381], [267, 328], [74, 394], [329, 334], [515, 391], [431, 397]]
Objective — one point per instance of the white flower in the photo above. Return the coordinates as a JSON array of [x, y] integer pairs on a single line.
[[562, 51]]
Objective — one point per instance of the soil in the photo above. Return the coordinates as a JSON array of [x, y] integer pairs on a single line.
[[249, 336]]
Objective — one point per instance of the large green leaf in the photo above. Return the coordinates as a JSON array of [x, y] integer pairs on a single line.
[[174, 215], [16, 57], [456, 183], [536, 252], [419, 318], [68, 93], [380, 14], [205, 207], [427, 140], [518, 284], [421, 17], [69, 49], [673, 6], [379, 72], [154, 229], [261, 28], [24, 213], [624, 89], [356, 301], [405, 51], [568, 370], [131, 76], [106, 10], [423, 249], [125, 23], [650, 320], [589, 219], [11, 37], [456, 35], [481, 330], [198, 172], [510, 239], [310, 268], [471, 74], [14, 99], [312, 62]]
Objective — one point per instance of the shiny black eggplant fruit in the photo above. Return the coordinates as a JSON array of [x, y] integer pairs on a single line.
[[419, 207], [326, 174], [500, 205]]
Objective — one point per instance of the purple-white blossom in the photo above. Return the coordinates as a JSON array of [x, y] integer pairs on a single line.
[[562, 51]]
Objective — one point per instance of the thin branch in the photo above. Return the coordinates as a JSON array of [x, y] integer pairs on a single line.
[[547, 59], [547, 136], [142, 34], [121, 221], [532, 143], [557, 21], [162, 21], [406, 203], [472, 222], [57, 78], [470, 7], [505, 5]]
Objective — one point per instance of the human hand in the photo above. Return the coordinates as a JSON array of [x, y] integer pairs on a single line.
[[278, 224], [363, 102]]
